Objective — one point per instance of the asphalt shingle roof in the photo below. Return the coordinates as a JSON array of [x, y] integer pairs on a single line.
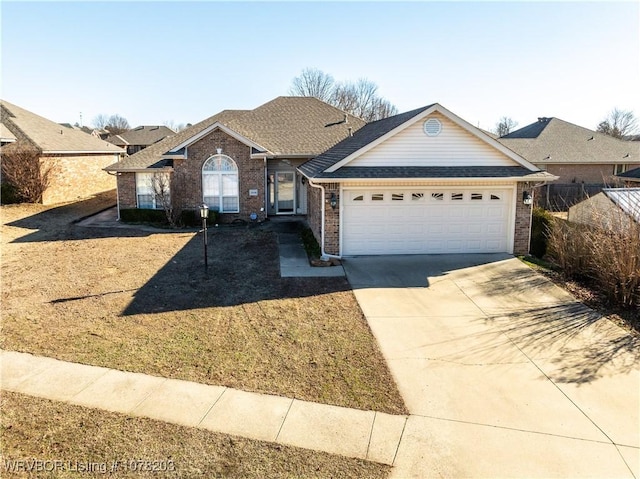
[[48, 135], [551, 140], [370, 172], [365, 135], [141, 135], [151, 157], [631, 174], [285, 126]]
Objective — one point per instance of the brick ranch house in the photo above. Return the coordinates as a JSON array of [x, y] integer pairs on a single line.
[[424, 181], [77, 159]]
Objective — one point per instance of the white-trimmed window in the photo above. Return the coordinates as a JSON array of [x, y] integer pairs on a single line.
[[618, 169], [148, 189], [220, 190]]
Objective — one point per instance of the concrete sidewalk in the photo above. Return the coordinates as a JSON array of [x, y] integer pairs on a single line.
[[369, 435]]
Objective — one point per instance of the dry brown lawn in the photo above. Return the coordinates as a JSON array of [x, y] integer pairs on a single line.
[[34, 428], [140, 301]]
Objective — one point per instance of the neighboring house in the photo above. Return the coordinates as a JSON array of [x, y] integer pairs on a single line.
[[77, 159], [630, 178], [425, 181], [573, 153], [140, 137], [613, 208]]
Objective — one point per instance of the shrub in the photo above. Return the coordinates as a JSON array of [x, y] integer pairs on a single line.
[[540, 226], [310, 243], [9, 194], [606, 251], [192, 218], [21, 166], [138, 215]]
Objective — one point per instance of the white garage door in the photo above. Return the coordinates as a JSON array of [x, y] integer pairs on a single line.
[[424, 221]]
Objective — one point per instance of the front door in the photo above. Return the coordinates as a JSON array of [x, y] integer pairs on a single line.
[[282, 192]]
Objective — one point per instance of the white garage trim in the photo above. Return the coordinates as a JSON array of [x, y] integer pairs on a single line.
[[501, 241]]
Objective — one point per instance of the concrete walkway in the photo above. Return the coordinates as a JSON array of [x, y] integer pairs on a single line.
[[504, 373], [369, 435], [294, 262]]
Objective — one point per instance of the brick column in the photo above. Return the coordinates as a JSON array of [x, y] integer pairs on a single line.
[[522, 233]]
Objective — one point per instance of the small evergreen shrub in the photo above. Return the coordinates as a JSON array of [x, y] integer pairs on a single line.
[[191, 218], [541, 223], [9, 194], [138, 215], [310, 243]]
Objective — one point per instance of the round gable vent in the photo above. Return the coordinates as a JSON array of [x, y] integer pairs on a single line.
[[432, 127]]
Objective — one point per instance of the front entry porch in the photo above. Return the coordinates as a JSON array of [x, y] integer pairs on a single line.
[[286, 189]]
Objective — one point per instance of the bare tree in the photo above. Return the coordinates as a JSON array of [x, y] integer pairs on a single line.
[[161, 184], [504, 126], [359, 99], [115, 124], [313, 82], [22, 168], [100, 121], [174, 126], [619, 123]]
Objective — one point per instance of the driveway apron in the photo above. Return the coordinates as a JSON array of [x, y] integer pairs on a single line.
[[504, 373]]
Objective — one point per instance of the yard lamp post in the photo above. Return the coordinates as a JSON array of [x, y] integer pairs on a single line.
[[204, 214]]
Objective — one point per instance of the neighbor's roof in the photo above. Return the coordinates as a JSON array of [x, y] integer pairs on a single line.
[[631, 175], [49, 136], [551, 140], [627, 199], [144, 135], [285, 127]]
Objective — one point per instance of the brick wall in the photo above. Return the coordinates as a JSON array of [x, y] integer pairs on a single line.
[[331, 220], [314, 212], [77, 176], [188, 175], [331, 216], [127, 190], [589, 174], [522, 231]]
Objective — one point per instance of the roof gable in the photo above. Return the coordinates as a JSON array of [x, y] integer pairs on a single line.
[[374, 135], [49, 136]]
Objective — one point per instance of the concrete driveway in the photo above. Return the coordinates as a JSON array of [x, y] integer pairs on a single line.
[[504, 374]]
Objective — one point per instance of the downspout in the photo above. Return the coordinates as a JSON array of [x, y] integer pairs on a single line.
[[116, 174], [265, 196], [324, 255]]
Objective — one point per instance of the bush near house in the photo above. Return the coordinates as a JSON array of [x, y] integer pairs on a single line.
[[609, 258], [189, 218], [540, 224]]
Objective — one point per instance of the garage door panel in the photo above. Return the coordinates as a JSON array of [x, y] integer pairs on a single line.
[[421, 221]]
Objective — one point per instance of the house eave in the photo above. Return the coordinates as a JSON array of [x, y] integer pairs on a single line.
[[80, 152], [452, 179]]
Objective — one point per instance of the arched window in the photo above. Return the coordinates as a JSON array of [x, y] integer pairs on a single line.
[[220, 184]]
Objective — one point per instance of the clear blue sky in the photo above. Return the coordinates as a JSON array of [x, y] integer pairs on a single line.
[[182, 62]]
